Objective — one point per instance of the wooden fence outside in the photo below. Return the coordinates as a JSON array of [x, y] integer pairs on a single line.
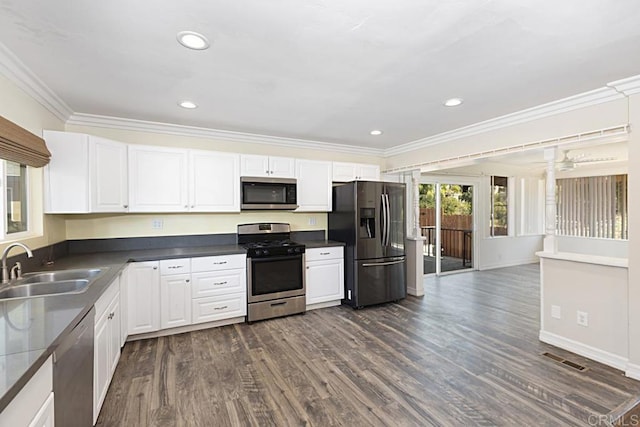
[[456, 234]]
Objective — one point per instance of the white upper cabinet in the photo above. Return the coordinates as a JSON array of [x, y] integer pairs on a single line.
[[108, 175], [344, 172], [86, 174], [158, 179], [267, 166], [314, 185], [214, 181]]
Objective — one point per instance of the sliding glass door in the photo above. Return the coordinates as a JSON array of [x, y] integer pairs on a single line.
[[446, 220]]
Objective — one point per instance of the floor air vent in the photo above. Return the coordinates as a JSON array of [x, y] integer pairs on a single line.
[[564, 361]]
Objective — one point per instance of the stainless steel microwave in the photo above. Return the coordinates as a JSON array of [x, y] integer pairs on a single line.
[[268, 193]]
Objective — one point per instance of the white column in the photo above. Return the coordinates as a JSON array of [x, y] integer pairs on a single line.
[[415, 242], [550, 244]]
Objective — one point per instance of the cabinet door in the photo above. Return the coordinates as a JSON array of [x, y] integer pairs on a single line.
[[282, 167], [219, 307], [143, 297], [314, 186], [108, 166], [66, 177], [124, 281], [252, 165], [369, 172], [175, 301], [114, 336], [214, 182], [324, 281], [344, 172], [101, 363], [157, 179], [221, 282], [46, 415]]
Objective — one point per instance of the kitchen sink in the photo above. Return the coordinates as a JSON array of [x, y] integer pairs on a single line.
[[50, 283], [45, 288], [59, 276]]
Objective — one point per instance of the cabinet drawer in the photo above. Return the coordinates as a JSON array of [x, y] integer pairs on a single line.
[[222, 262], [219, 307], [217, 283], [175, 266], [316, 254]]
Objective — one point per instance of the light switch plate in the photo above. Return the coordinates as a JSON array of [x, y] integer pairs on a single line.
[[556, 313], [156, 224]]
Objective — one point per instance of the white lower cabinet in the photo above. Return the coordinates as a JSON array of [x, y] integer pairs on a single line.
[[106, 351], [33, 405], [175, 293], [143, 297], [324, 275], [219, 288], [219, 307], [180, 292]]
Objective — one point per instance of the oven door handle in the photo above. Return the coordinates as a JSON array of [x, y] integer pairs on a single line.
[[376, 264], [275, 258]]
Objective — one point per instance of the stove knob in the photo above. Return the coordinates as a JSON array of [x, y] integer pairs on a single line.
[[290, 250], [258, 252], [298, 250], [265, 252]]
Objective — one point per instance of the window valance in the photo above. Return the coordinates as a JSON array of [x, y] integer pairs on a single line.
[[19, 145]]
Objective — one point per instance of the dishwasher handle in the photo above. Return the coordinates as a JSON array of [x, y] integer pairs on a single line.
[[76, 334]]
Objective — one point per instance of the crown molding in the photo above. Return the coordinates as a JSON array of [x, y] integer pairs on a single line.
[[628, 86], [582, 100], [20, 75], [81, 119]]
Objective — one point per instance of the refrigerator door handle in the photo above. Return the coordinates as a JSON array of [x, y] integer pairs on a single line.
[[377, 264], [386, 196], [383, 231]]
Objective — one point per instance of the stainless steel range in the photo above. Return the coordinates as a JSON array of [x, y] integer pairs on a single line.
[[275, 271]]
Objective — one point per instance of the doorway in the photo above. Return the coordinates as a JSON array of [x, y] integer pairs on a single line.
[[446, 221]]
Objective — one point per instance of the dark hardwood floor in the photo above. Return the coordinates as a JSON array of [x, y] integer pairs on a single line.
[[465, 354]]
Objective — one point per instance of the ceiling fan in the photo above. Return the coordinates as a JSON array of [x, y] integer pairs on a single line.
[[570, 162]]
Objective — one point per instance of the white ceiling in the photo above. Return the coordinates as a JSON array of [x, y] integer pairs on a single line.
[[323, 70]]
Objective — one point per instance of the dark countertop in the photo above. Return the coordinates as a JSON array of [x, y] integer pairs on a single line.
[[34, 327]]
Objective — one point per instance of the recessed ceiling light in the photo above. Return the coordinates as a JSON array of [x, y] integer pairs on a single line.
[[453, 102], [193, 40], [376, 132], [187, 104]]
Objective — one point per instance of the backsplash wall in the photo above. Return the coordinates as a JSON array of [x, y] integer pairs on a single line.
[[100, 226]]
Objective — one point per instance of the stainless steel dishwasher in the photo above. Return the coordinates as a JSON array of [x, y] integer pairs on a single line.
[[73, 376]]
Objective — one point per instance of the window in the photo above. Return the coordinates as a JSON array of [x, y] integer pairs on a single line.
[[594, 206], [499, 206], [15, 206]]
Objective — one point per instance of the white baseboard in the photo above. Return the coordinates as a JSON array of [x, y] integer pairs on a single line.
[[593, 353], [511, 263], [323, 304], [633, 371], [414, 292], [187, 328]]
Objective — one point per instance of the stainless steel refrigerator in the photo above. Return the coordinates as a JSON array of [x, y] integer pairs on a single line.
[[369, 216]]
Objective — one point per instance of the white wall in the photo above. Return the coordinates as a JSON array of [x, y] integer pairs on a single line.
[[20, 108], [591, 246], [634, 239], [598, 290]]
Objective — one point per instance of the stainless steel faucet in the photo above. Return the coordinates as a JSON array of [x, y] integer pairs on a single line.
[[5, 270]]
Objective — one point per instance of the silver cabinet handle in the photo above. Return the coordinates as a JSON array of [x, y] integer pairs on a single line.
[[221, 308], [377, 264], [325, 253], [220, 262], [175, 266], [187, 280], [219, 283], [155, 268], [125, 206]]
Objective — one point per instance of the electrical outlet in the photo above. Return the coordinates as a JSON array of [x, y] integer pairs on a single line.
[[556, 313], [583, 318], [312, 220], [156, 224]]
